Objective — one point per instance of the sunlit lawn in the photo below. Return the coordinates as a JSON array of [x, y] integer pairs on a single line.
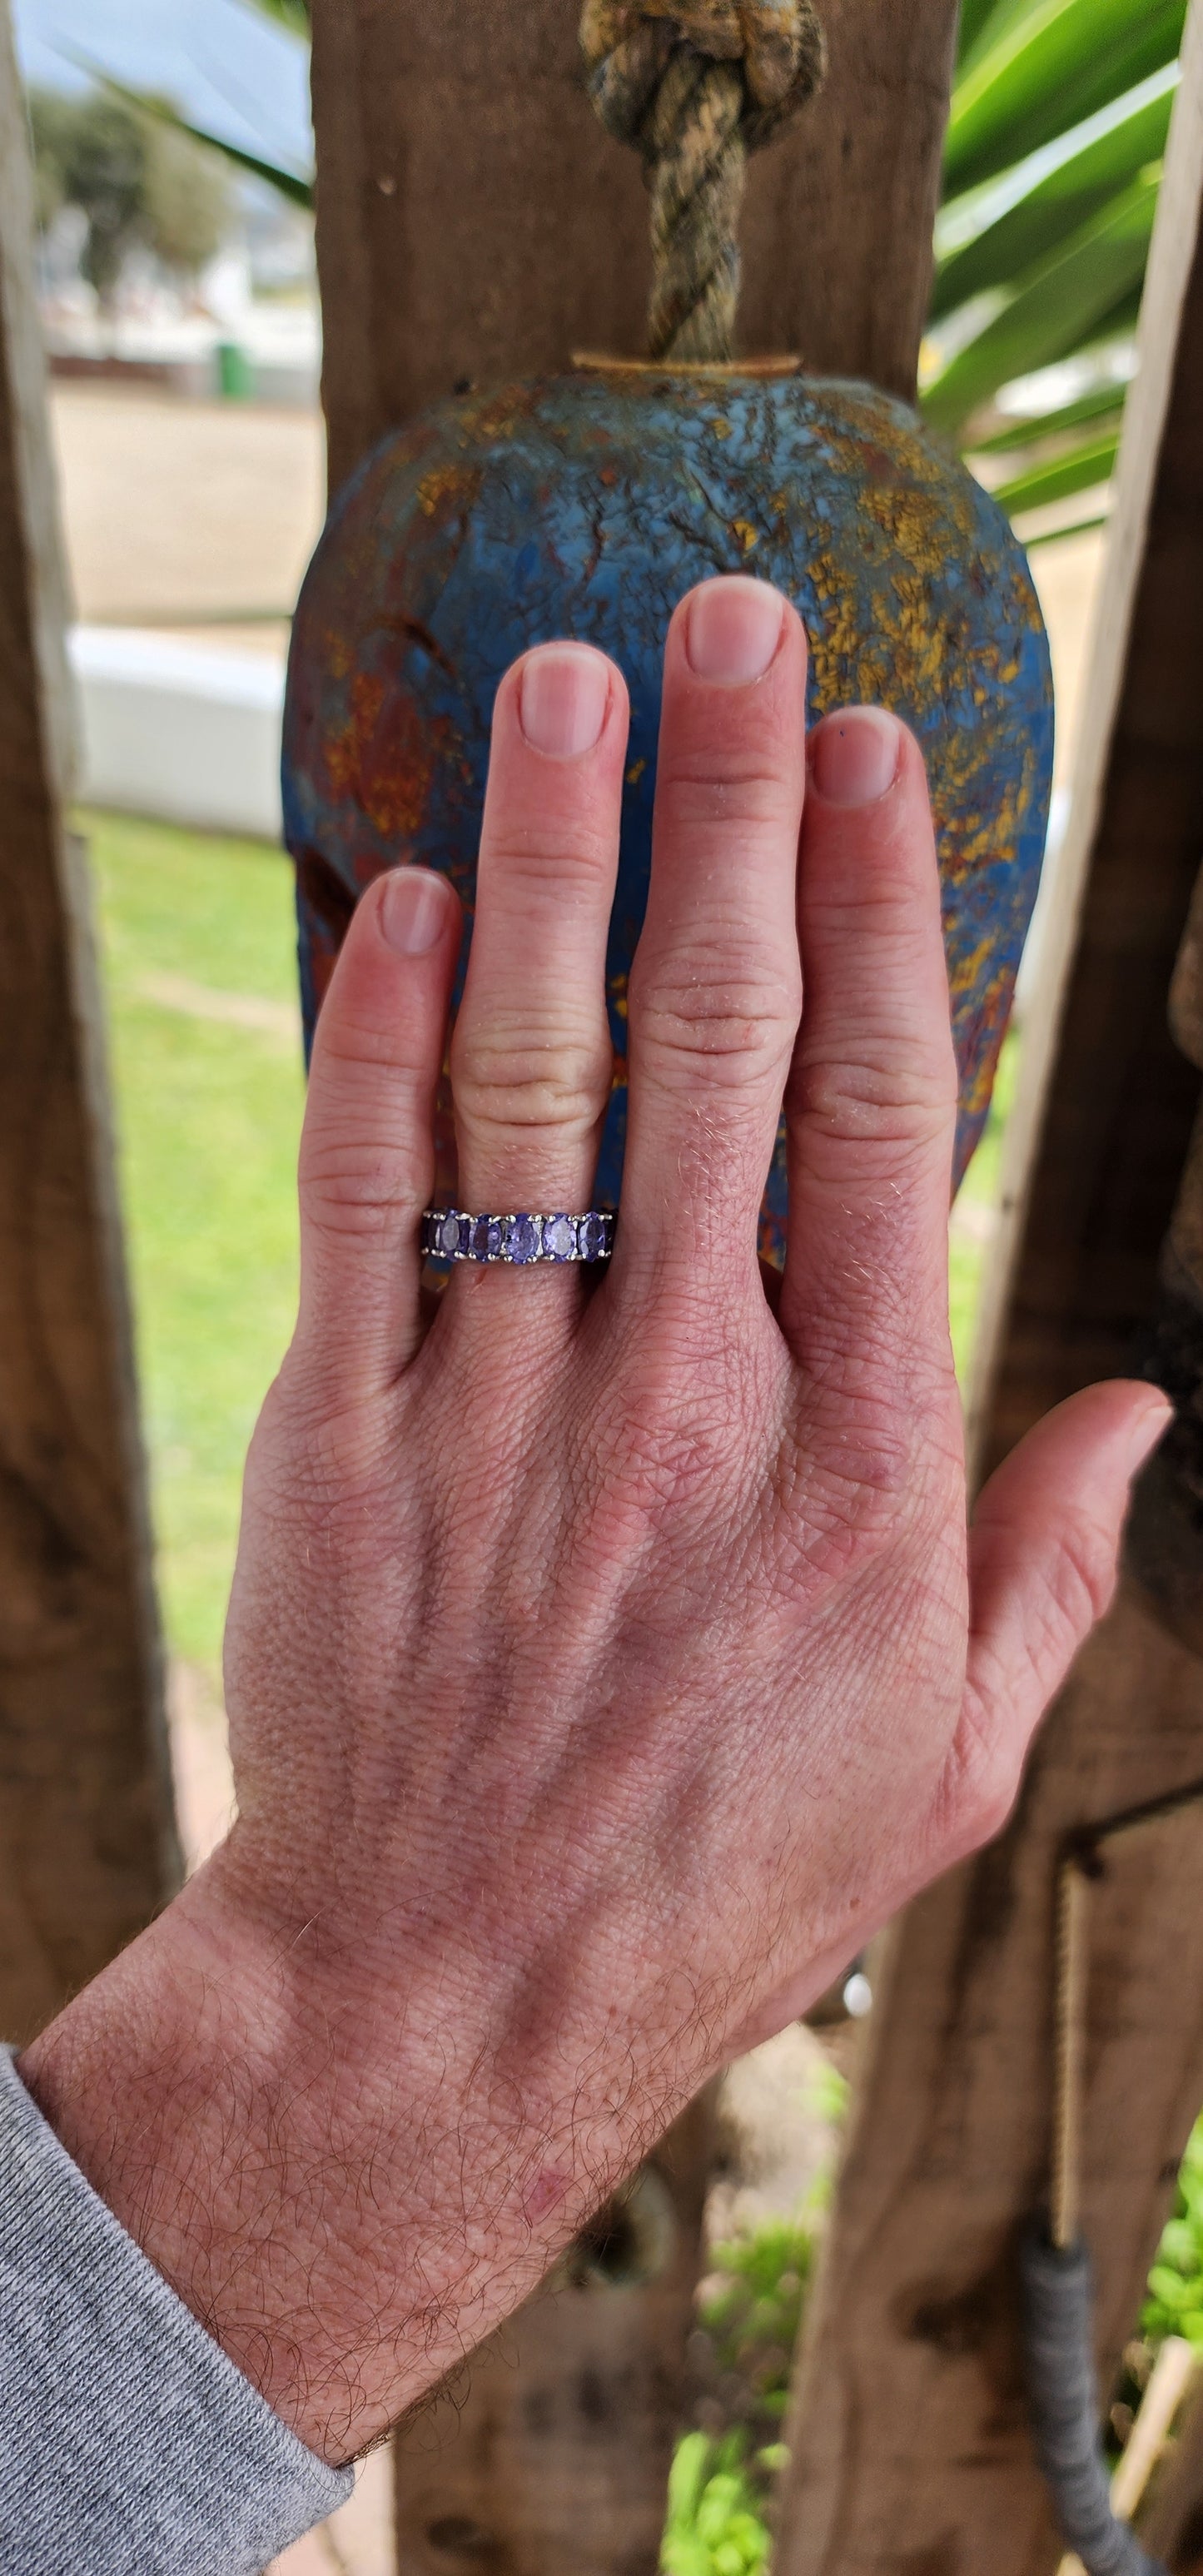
[[208, 1111]]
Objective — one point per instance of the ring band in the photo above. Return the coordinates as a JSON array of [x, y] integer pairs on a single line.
[[449, 1234]]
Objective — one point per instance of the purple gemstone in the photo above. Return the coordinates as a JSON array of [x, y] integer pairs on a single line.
[[559, 1238], [451, 1231], [592, 1234], [521, 1238], [484, 1237]]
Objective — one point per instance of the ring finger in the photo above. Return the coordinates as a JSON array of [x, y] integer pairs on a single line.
[[531, 1058]]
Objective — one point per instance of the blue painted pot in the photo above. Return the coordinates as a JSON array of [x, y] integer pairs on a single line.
[[585, 505]]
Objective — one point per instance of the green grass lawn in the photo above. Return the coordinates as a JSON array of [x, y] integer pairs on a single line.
[[198, 943], [208, 1113]]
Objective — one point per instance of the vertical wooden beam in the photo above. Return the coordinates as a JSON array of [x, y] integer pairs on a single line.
[[475, 222], [1172, 2529], [87, 1847], [910, 2446]]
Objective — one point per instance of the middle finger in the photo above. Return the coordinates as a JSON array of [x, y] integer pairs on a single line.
[[716, 987]]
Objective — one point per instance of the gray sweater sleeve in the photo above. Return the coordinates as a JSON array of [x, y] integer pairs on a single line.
[[129, 2443]]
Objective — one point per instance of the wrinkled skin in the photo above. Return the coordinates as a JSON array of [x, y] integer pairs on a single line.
[[606, 1658]]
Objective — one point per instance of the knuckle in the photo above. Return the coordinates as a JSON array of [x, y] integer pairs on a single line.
[[1080, 1579], [363, 1155], [570, 853], [666, 1459], [888, 1094], [726, 787], [359, 1186], [357, 1051], [513, 1074], [711, 1004], [983, 1784]]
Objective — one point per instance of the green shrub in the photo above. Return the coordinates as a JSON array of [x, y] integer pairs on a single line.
[[751, 2307], [749, 2311], [714, 2525], [1175, 2301]]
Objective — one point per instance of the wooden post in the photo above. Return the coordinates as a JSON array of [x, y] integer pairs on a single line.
[[475, 223], [1172, 2530], [910, 2446], [87, 1846]]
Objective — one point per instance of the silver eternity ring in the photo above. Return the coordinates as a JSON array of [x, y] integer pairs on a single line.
[[449, 1234]]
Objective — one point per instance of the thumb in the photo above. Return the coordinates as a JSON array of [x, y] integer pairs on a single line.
[[1043, 1558]]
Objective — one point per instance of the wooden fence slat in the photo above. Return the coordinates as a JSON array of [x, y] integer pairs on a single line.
[[909, 2441], [474, 221], [87, 1845]]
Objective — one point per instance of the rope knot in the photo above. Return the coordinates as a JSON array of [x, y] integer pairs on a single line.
[[777, 45], [696, 85]]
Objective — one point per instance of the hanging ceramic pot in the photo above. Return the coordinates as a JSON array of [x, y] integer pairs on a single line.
[[585, 505]]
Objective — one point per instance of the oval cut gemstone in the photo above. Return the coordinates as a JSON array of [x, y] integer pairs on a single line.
[[559, 1238], [484, 1237], [450, 1233], [592, 1231], [521, 1238]]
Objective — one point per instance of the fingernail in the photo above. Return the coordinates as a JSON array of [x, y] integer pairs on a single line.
[[562, 698], [854, 756], [1147, 1430], [413, 910], [733, 629]]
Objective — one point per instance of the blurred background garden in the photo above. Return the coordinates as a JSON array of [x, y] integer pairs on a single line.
[[179, 303]]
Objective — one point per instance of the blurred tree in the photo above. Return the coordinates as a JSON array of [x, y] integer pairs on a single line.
[[188, 201], [50, 116], [137, 180], [91, 153]]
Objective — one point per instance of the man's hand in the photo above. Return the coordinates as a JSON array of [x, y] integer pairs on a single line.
[[603, 1666]]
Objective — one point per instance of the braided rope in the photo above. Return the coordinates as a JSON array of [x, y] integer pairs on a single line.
[[696, 85]]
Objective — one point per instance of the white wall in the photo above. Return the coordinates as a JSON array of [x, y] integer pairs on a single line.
[[185, 733]]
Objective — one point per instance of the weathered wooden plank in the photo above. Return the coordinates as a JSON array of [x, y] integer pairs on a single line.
[[87, 1847], [1172, 2528], [475, 222], [909, 2440]]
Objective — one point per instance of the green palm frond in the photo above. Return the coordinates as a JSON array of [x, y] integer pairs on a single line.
[[293, 14], [288, 183], [1103, 406], [1041, 66], [1080, 471], [1057, 130], [990, 235], [1054, 309]]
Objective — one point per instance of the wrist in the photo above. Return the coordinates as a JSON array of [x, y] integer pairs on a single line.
[[285, 2132]]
